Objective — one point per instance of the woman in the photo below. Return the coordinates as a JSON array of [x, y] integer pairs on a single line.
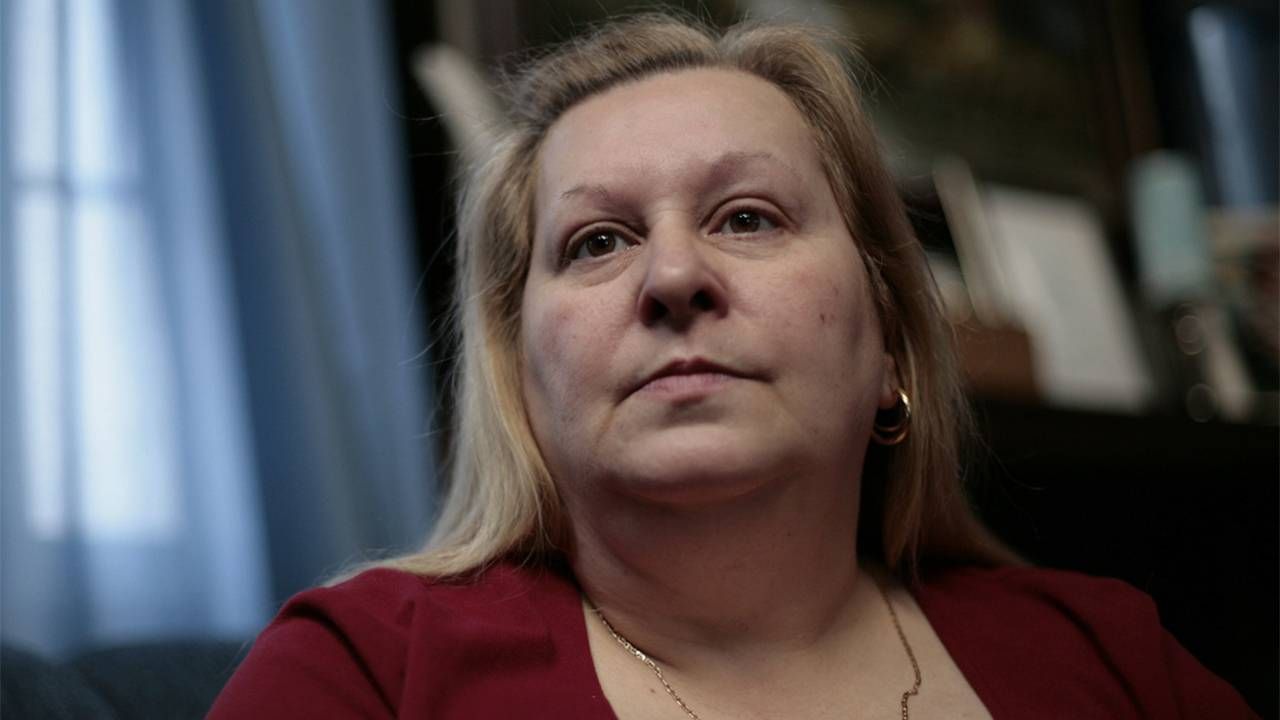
[[706, 459]]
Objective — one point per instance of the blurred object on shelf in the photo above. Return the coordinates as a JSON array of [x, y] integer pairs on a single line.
[[467, 105], [966, 218], [1069, 298], [951, 286], [1246, 257], [1049, 317], [1203, 363], [1202, 370], [998, 362], [1169, 232], [1234, 51]]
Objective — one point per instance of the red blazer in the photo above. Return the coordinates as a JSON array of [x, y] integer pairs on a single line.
[[1033, 644]]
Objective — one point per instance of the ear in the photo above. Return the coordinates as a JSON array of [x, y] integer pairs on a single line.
[[890, 384]]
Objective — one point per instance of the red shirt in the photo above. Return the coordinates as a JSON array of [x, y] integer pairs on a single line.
[[513, 643]]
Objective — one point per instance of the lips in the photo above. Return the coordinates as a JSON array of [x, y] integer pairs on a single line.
[[688, 366]]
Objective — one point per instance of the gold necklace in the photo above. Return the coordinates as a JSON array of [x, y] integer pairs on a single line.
[[639, 654]]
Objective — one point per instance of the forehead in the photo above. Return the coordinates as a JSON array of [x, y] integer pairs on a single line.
[[666, 122]]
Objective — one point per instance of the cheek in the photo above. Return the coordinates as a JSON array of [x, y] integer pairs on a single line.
[[836, 320], [823, 309], [549, 336], [563, 357]]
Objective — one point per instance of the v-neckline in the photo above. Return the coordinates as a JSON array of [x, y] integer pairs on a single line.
[[580, 646]]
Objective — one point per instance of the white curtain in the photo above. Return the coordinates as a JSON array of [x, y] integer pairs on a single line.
[[207, 395]]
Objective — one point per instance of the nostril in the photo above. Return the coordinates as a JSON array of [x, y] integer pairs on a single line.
[[654, 310], [702, 301], [678, 286]]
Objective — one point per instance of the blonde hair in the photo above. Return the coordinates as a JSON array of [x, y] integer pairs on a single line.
[[501, 499]]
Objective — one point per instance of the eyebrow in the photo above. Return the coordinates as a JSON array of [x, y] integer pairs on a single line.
[[720, 170], [595, 190]]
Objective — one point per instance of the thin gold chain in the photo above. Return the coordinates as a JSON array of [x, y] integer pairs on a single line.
[[915, 666], [639, 654]]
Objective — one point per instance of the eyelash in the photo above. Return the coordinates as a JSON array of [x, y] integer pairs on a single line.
[[577, 242], [764, 216]]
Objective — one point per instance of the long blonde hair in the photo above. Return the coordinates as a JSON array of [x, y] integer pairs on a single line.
[[501, 499]]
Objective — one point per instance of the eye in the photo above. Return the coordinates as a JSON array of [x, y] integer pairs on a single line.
[[743, 222], [594, 244]]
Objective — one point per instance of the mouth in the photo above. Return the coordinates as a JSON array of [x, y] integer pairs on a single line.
[[687, 375]]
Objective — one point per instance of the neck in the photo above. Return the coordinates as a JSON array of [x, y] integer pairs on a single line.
[[771, 572]]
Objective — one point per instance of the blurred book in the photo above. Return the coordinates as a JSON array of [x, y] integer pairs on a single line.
[[1067, 294], [1049, 315]]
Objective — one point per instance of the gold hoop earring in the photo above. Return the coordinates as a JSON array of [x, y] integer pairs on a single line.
[[897, 429]]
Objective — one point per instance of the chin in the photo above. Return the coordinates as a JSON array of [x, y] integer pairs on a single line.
[[696, 468]]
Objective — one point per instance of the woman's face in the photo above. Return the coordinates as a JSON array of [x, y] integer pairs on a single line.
[[696, 318]]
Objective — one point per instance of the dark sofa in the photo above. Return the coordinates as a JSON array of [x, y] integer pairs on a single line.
[[163, 680]]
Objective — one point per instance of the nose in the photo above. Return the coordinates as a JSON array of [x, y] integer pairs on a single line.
[[680, 283]]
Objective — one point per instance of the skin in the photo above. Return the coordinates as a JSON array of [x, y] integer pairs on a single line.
[[687, 216]]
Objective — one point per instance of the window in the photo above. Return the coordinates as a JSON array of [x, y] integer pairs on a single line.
[[94, 362]]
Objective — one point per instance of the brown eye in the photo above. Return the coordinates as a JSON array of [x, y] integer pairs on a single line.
[[596, 245], [744, 222]]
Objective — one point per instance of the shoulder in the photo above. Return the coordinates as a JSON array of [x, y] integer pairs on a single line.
[[1050, 640], [382, 610], [396, 599], [348, 648], [1064, 594], [1024, 609]]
